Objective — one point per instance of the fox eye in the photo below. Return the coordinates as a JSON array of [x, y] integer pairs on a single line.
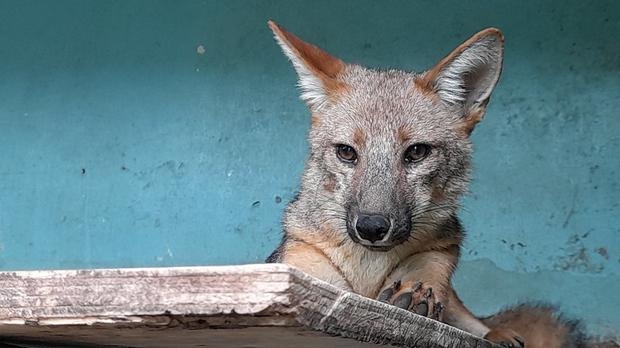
[[346, 153], [416, 153]]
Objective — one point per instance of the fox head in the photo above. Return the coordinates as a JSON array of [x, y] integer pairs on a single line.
[[390, 150]]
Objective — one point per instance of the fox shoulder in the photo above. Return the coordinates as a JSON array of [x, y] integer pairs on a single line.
[[276, 255]]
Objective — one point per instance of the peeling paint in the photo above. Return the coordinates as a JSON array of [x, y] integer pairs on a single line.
[[603, 252], [577, 257]]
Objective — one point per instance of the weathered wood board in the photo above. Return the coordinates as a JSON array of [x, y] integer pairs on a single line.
[[270, 305]]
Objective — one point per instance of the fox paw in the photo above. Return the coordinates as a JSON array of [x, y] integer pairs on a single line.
[[505, 337], [417, 297]]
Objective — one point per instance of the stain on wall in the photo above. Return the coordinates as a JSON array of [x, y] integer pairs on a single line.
[[170, 133]]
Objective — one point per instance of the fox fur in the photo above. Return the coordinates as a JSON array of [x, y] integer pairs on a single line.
[[407, 158]]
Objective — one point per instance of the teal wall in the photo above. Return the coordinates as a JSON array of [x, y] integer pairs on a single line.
[[123, 146]]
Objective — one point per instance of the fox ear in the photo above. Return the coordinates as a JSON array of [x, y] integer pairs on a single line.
[[316, 68], [467, 76]]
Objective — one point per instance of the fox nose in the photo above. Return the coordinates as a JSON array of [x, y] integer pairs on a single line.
[[372, 227]]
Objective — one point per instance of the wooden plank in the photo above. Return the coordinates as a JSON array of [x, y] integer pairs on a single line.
[[267, 305]]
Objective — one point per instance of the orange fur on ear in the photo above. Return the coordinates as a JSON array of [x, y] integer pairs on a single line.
[[321, 62], [317, 69], [426, 82], [466, 77], [472, 118]]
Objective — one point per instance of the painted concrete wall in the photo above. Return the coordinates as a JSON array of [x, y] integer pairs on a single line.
[[161, 133]]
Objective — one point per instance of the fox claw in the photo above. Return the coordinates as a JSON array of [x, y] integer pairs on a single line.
[[505, 338], [387, 294], [416, 297]]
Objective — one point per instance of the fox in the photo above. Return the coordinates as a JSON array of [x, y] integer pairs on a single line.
[[390, 157]]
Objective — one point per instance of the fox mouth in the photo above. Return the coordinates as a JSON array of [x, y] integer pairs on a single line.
[[391, 241], [378, 247]]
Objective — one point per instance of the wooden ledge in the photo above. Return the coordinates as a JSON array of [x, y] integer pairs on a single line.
[[267, 305]]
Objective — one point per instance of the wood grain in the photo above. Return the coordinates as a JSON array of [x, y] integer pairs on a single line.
[[270, 305]]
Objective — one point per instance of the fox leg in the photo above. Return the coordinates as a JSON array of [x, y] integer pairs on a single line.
[[457, 315], [313, 261], [420, 283]]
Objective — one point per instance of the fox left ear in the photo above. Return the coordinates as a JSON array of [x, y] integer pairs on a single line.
[[317, 69], [466, 77]]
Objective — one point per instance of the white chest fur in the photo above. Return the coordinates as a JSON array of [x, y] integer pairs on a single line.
[[365, 270]]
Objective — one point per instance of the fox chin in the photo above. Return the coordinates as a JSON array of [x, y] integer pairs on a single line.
[[390, 158]]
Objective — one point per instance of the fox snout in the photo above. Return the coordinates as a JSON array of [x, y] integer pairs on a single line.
[[376, 231], [372, 227]]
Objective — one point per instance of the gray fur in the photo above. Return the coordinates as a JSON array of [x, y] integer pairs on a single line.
[[419, 197], [379, 104]]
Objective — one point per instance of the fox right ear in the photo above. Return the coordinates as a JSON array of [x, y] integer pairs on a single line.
[[316, 68], [466, 77]]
